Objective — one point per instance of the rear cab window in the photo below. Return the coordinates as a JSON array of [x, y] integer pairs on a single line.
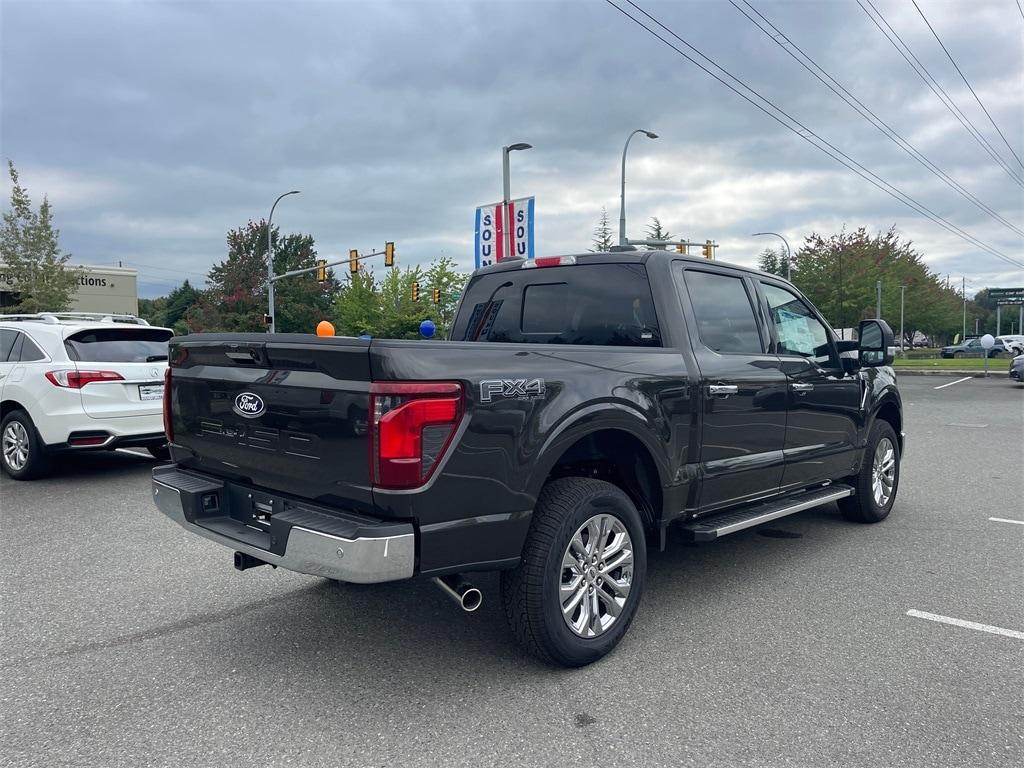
[[587, 304], [118, 345], [726, 322]]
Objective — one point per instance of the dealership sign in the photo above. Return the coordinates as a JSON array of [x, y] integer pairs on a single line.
[[490, 243], [1006, 295]]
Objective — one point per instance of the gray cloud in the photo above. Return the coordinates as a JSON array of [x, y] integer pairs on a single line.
[[156, 127]]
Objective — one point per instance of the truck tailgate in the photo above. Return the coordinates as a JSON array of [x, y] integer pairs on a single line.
[[284, 412]]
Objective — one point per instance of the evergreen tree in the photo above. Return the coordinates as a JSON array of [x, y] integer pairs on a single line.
[[603, 233], [31, 255], [655, 232]]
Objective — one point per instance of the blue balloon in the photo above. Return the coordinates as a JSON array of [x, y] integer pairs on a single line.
[[427, 329]]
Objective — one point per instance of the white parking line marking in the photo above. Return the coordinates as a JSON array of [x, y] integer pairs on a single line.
[[950, 384], [1004, 520], [966, 624]]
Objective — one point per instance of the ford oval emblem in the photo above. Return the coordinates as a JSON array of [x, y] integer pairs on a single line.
[[249, 405]]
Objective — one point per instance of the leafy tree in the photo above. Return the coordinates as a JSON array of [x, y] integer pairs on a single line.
[[31, 255], [839, 273], [443, 275], [400, 315], [179, 301], [603, 233], [655, 232], [357, 308], [236, 296]]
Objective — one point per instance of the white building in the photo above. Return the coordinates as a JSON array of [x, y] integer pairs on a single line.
[[100, 289]]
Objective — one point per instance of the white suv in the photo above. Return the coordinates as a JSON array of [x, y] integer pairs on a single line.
[[78, 382], [1013, 342]]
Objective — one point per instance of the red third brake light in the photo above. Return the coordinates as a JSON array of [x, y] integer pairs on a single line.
[[77, 379], [412, 425], [168, 422]]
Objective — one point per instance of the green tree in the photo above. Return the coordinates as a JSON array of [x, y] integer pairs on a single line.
[[773, 262], [655, 232], [603, 233], [443, 275], [236, 294], [31, 255], [400, 315], [839, 274], [357, 308]]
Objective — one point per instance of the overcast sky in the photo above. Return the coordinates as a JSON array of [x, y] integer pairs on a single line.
[[156, 127]]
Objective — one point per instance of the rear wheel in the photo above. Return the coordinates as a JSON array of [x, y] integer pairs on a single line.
[[879, 477], [576, 590], [959, 355], [22, 453]]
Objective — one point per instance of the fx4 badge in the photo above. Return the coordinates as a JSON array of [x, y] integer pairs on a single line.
[[511, 389]]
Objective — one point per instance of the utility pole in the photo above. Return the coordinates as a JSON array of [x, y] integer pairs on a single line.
[[963, 292], [903, 291], [878, 299], [977, 320], [999, 319]]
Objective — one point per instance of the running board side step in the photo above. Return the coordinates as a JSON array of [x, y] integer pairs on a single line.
[[716, 526]]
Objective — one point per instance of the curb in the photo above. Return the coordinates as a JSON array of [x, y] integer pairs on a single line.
[[974, 374]]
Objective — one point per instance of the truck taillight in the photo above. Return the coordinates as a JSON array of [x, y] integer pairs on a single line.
[[70, 379], [412, 425], [168, 422]]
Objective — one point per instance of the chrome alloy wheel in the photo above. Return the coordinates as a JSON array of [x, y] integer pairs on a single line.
[[15, 446], [597, 574], [883, 474]]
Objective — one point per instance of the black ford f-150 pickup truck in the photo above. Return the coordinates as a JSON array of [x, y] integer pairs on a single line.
[[581, 406]]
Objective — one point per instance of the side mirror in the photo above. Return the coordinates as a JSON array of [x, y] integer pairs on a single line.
[[875, 344]]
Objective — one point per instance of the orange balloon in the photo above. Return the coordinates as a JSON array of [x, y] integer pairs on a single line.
[[324, 328]]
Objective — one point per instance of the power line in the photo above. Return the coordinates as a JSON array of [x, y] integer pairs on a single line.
[[1021, 9], [166, 269], [962, 77], [804, 132], [937, 89], [780, 39]]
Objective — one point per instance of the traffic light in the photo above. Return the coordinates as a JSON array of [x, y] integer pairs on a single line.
[[680, 248], [415, 291], [321, 271], [437, 295], [389, 254], [707, 249], [266, 319], [353, 261]]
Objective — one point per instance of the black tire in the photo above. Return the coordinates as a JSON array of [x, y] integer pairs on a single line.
[[159, 452], [862, 507], [37, 462], [530, 592], [959, 355]]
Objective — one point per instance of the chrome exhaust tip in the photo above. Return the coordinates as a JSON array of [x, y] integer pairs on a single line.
[[461, 591]]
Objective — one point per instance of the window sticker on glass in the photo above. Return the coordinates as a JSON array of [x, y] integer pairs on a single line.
[[794, 333]]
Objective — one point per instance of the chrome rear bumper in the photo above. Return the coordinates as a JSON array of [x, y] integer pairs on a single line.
[[361, 560]]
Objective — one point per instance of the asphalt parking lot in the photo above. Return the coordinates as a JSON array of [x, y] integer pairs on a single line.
[[128, 642]]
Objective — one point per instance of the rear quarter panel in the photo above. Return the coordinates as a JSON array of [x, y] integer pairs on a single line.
[[525, 405]]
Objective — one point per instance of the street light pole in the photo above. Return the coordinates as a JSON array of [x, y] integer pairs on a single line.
[[789, 254], [506, 195], [622, 194], [270, 262]]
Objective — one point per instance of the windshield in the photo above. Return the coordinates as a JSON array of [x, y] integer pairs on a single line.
[[118, 345]]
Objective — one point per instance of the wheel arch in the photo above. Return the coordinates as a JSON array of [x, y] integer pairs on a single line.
[[889, 410], [617, 448]]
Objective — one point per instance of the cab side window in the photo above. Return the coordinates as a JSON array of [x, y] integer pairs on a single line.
[[7, 339], [725, 317], [799, 332]]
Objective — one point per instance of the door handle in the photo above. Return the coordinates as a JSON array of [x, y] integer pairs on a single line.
[[801, 388], [722, 390]]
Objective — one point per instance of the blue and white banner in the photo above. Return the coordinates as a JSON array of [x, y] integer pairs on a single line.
[[489, 241]]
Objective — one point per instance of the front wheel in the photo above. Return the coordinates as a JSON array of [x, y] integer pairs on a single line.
[[577, 588], [959, 355], [876, 484]]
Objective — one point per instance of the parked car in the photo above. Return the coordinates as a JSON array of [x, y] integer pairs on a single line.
[[1017, 369], [78, 382], [973, 348], [583, 405], [1013, 342]]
